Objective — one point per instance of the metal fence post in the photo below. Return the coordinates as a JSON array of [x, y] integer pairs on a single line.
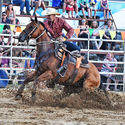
[[124, 70], [88, 45], [11, 55], [1, 4]]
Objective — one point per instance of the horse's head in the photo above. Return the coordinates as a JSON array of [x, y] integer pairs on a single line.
[[33, 30]]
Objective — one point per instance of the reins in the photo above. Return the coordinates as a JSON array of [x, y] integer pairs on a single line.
[[41, 35]]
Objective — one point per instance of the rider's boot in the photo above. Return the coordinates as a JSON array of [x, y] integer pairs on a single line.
[[62, 70]]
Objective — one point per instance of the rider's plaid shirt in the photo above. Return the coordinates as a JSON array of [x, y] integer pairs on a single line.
[[55, 28]]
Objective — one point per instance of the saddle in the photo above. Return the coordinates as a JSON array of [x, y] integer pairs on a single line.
[[76, 58]]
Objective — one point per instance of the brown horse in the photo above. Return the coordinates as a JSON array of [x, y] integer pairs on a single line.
[[47, 63]]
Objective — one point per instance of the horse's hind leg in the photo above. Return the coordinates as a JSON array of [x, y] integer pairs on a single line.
[[45, 76], [26, 81]]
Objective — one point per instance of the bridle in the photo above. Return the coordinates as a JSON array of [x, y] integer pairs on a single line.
[[34, 28]]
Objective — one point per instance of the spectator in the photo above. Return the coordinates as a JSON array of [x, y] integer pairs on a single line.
[[76, 9], [22, 3], [70, 8], [67, 2], [16, 52], [92, 5], [17, 30], [57, 3], [4, 62], [11, 14], [39, 3], [109, 67], [105, 8], [95, 35], [107, 35], [84, 7], [29, 64], [6, 29], [84, 30]]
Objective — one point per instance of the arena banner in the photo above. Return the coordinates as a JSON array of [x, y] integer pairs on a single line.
[[1, 28], [90, 31], [101, 33], [118, 12], [18, 29], [77, 31], [113, 34], [23, 27], [12, 27], [123, 35]]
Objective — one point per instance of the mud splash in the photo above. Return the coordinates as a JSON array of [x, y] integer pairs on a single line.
[[84, 108], [85, 99]]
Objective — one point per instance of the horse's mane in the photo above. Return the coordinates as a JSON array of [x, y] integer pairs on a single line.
[[43, 25], [45, 29]]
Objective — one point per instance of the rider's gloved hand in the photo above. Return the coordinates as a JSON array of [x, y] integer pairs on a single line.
[[60, 39]]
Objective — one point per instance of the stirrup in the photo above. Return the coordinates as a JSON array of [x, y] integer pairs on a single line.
[[62, 71]]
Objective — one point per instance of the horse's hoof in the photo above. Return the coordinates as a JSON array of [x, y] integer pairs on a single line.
[[18, 97]]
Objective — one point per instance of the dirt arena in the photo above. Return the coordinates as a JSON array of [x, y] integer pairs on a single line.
[[85, 108]]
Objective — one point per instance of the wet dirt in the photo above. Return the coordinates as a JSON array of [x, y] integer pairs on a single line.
[[84, 108]]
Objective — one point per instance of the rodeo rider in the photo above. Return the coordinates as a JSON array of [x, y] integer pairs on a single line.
[[55, 25]]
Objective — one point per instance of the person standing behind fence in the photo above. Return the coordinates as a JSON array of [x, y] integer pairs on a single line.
[[84, 30], [92, 5], [70, 8], [109, 67], [3, 73], [4, 62], [11, 13], [38, 3], [109, 27], [84, 7], [95, 35], [22, 3], [66, 2], [29, 64], [6, 29], [105, 8]]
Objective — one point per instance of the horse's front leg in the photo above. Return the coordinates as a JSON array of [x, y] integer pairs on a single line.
[[45, 76], [30, 78]]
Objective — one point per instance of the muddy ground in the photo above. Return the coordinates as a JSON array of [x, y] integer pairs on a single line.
[[84, 108]]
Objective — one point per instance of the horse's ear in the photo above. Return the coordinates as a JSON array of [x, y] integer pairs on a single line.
[[36, 18]]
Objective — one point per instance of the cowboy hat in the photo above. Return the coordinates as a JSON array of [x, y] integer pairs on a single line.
[[50, 11]]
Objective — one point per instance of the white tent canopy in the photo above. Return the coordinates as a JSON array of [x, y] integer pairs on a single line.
[[119, 18]]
